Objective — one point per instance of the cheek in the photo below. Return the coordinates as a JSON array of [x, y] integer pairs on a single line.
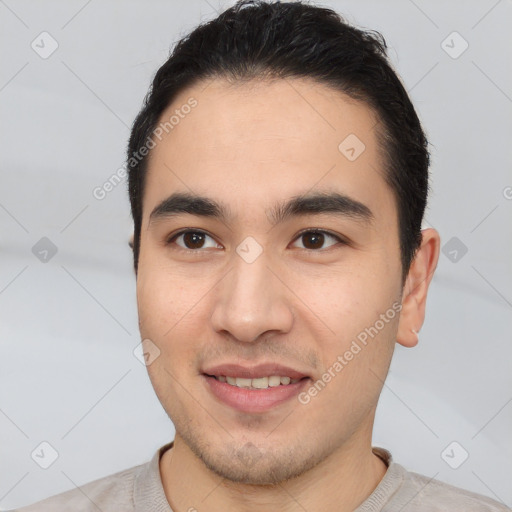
[[170, 315], [347, 307], [342, 297], [165, 318], [161, 300]]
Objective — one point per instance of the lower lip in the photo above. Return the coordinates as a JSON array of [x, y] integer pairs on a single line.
[[253, 400]]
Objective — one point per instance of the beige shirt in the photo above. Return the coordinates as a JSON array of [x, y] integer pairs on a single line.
[[139, 489]]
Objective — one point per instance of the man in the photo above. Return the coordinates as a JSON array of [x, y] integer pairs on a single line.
[[278, 181]]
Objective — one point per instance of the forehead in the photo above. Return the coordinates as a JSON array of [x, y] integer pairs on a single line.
[[261, 141]]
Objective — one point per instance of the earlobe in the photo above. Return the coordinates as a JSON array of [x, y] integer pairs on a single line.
[[414, 294]]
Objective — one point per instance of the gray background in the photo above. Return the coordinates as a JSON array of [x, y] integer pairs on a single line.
[[68, 328]]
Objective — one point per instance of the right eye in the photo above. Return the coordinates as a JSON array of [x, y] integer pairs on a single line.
[[191, 240]]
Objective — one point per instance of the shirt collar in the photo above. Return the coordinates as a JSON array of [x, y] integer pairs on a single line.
[[148, 491]]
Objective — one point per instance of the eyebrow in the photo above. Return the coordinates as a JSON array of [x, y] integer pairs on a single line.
[[305, 204]]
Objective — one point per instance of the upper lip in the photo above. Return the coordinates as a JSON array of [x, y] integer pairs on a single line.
[[254, 372]]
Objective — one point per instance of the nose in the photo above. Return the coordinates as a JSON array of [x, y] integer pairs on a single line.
[[252, 301]]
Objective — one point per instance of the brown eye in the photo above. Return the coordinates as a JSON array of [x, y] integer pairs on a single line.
[[314, 239], [192, 240]]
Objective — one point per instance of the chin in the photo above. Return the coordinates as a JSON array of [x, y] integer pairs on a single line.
[[249, 466]]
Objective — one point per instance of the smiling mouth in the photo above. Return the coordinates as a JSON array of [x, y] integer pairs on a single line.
[[271, 381], [257, 393]]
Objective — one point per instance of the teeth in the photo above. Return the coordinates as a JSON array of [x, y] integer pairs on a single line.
[[274, 381], [259, 383], [243, 383]]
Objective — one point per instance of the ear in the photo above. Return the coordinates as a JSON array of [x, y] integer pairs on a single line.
[[130, 242], [414, 293]]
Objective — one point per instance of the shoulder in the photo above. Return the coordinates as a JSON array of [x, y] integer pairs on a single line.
[[108, 494], [422, 493]]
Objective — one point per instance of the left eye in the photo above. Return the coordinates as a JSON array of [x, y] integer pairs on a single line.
[[316, 238]]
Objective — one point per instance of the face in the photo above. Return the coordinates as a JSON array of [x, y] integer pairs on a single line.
[[313, 295]]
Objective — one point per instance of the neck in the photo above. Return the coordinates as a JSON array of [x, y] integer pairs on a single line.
[[339, 483]]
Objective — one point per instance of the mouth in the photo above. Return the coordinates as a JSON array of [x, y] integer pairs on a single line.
[[271, 381], [254, 390]]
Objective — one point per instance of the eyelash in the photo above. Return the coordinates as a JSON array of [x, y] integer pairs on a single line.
[[340, 240]]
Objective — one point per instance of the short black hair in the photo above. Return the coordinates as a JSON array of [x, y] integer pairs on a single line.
[[255, 39]]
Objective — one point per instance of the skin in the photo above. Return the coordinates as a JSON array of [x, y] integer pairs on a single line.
[[249, 146]]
